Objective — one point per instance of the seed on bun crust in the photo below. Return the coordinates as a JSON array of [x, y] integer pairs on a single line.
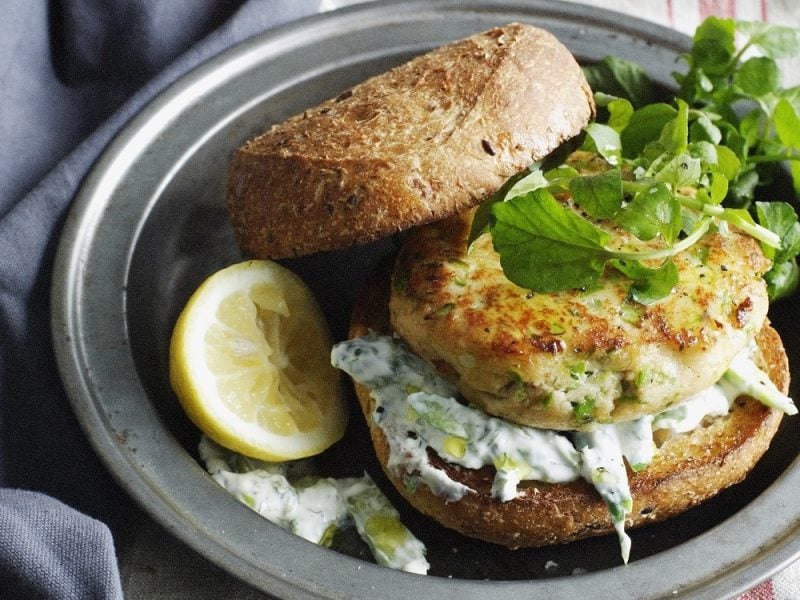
[[424, 140]]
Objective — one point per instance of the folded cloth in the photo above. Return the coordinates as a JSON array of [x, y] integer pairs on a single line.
[[49, 550], [73, 70]]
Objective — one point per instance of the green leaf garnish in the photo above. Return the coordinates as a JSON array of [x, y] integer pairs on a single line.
[[599, 195], [649, 284], [644, 127], [774, 40], [782, 279], [546, 247], [604, 140], [780, 217], [787, 123], [673, 169], [652, 213], [758, 76], [621, 78]]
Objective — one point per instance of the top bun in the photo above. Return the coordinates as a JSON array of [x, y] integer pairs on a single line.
[[425, 140]]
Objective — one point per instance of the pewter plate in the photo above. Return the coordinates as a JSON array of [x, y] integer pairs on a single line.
[[149, 224]]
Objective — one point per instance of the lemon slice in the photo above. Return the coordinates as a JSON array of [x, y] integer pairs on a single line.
[[250, 364]]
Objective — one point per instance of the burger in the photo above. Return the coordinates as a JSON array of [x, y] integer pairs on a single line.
[[523, 415]]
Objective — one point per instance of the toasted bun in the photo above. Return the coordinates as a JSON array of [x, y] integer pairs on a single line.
[[422, 141], [688, 469]]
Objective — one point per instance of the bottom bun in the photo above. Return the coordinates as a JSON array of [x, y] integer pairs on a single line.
[[688, 468]]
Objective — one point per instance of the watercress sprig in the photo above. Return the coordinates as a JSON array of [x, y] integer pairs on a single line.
[[671, 171]]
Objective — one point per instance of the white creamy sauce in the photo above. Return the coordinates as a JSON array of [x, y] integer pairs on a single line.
[[636, 441], [469, 437], [417, 409], [314, 508], [603, 466], [743, 375], [378, 523], [712, 402]]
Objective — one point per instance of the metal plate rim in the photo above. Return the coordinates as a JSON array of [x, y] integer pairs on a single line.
[[74, 257]]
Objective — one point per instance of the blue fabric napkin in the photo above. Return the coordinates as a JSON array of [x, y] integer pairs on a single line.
[[72, 73], [52, 551]]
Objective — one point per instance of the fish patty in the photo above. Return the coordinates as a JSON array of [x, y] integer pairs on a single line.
[[569, 360]]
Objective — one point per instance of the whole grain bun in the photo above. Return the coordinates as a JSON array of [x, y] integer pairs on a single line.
[[422, 141], [688, 469]]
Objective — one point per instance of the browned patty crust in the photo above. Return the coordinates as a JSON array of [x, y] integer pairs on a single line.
[[688, 468], [571, 359]]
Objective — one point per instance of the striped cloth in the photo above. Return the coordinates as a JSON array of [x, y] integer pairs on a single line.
[[783, 586], [686, 15]]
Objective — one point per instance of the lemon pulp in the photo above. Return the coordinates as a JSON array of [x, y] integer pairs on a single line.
[[250, 364]]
